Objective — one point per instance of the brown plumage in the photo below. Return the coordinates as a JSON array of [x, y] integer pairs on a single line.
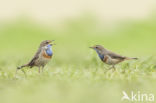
[[109, 57], [38, 60]]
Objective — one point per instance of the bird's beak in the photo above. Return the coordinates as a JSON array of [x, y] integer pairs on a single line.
[[91, 47], [51, 42]]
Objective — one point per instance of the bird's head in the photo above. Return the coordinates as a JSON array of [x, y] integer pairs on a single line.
[[46, 42], [98, 48]]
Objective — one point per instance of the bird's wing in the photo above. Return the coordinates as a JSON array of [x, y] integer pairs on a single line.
[[31, 63], [115, 56]]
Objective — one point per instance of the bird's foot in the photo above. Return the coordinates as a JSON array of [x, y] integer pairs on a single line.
[[113, 67]]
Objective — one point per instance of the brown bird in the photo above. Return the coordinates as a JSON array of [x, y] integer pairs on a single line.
[[42, 56], [109, 57]]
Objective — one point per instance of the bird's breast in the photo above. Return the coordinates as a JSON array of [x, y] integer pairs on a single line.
[[49, 52], [45, 55]]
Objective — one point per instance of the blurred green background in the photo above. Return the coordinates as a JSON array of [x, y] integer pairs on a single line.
[[75, 74], [73, 37]]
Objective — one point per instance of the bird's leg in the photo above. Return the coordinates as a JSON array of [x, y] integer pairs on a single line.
[[39, 69], [42, 68], [114, 69], [16, 72], [110, 68]]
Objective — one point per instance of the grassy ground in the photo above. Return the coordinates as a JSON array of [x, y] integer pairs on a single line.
[[75, 74]]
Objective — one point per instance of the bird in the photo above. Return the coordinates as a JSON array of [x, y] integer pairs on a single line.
[[42, 57], [110, 57]]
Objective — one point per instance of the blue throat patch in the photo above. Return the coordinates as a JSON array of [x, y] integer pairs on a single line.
[[49, 50], [100, 55]]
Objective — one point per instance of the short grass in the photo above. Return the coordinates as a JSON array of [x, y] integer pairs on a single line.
[[75, 74]]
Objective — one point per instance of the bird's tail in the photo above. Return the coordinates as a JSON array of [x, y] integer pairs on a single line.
[[135, 58], [22, 66], [18, 68], [127, 58]]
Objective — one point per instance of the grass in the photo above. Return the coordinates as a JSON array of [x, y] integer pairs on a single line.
[[75, 74]]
